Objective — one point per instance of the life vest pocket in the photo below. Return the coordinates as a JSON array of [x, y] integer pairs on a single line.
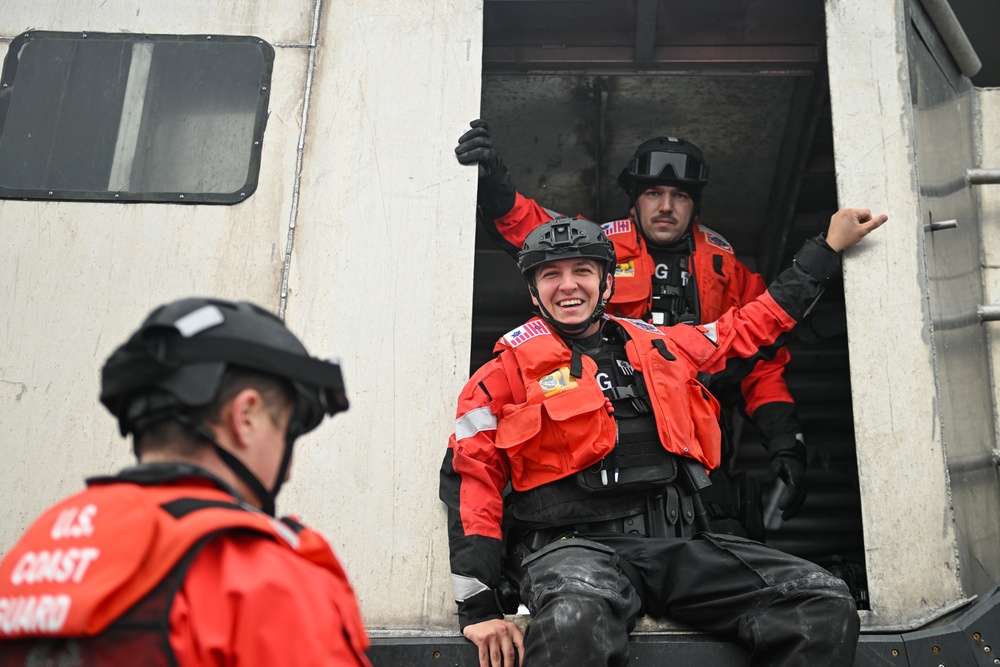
[[632, 294], [556, 437], [705, 419], [693, 430]]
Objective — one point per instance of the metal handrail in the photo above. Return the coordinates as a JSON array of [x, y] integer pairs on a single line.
[[944, 19]]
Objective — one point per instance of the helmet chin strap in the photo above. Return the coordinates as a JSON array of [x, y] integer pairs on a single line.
[[240, 469], [286, 461]]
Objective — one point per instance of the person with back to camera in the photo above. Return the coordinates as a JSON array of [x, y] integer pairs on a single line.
[[673, 269], [179, 560], [603, 430]]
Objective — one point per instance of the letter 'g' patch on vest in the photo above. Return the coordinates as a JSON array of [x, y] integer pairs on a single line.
[[526, 332]]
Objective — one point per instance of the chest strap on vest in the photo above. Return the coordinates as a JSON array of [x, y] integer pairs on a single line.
[[661, 347], [665, 289], [618, 393], [636, 395], [576, 363]]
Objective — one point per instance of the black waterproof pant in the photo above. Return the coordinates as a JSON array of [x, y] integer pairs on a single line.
[[785, 610]]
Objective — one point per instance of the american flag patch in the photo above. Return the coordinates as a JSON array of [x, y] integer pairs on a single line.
[[617, 227], [526, 332]]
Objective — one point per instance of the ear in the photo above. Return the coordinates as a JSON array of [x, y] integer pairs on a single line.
[[241, 415], [631, 212]]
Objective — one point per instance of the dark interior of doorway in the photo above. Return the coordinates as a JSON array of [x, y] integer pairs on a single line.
[[570, 87]]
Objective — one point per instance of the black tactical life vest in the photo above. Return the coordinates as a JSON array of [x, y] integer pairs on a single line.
[[675, 290]]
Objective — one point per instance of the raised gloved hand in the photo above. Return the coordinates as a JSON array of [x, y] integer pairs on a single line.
[[790, 466], [476, 147], [496, 192]]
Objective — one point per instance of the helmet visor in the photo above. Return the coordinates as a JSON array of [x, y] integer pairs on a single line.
[[671, 166]]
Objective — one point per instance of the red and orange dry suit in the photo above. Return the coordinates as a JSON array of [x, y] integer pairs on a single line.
[[174, 573]]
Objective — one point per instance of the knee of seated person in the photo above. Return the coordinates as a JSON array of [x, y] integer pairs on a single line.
[[829, 597], [834, 589], [579, 629], [577, 568], [843, 602], [575, 614]]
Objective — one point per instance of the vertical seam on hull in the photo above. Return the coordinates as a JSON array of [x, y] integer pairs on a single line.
[[299, 152]]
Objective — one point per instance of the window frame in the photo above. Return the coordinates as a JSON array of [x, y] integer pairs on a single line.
[[8, 78]]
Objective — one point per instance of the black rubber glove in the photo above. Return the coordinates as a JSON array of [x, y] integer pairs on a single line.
[[497, 193], [790, 466], [476, 147]]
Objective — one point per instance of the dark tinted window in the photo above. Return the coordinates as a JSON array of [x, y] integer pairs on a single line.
[[122, 117]]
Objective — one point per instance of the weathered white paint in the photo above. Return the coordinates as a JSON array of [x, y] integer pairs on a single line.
[[277, 21], [909, 528], [382, 276], [381, 272]]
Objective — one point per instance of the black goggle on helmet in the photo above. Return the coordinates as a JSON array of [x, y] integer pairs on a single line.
[[665, 161], [567, 238], [175, 363]]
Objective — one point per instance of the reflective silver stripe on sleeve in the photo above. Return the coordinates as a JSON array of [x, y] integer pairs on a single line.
[[471, 423], [285, 532], [711, 333], [466, 587]]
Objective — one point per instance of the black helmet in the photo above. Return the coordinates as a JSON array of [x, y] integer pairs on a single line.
[[665, 161], [566, 238], [174, 364]]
